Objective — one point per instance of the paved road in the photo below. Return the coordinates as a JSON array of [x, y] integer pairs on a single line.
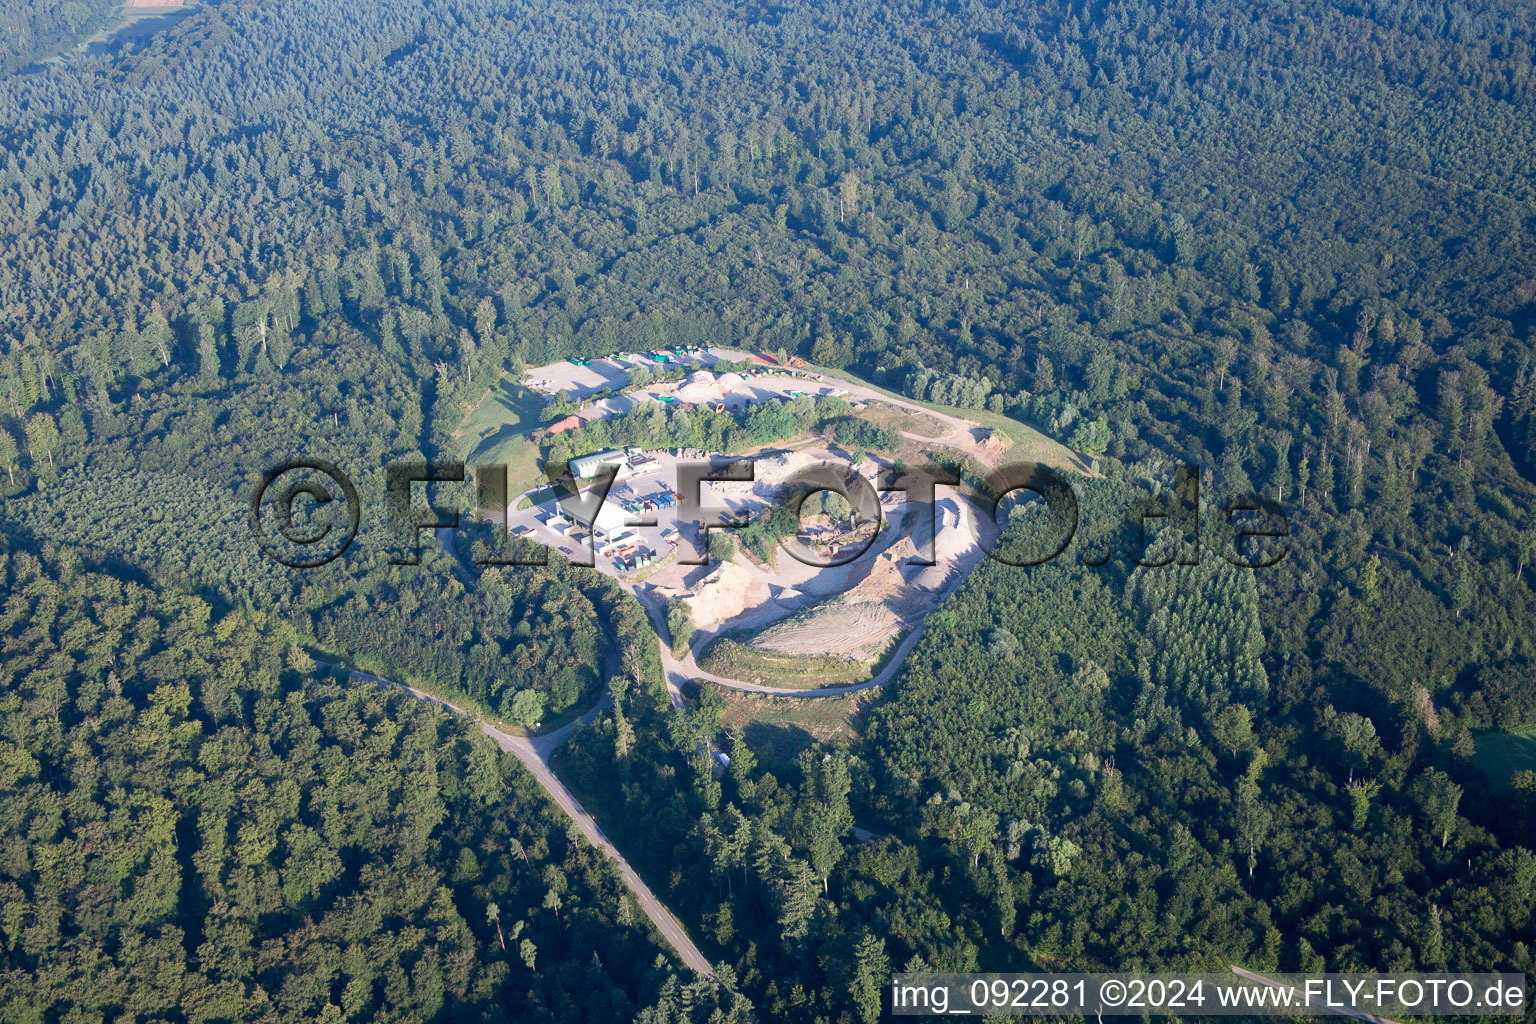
[[534, 752]]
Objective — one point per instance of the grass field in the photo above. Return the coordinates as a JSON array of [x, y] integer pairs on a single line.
[[734, 660], [778, 728], [1500, 754], [889, 417], [496, 431], [136, 21]]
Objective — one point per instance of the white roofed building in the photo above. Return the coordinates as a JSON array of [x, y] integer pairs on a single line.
[[609, 522]]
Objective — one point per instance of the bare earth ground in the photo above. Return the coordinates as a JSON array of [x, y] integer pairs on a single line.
[[858, 632], [903, 421]]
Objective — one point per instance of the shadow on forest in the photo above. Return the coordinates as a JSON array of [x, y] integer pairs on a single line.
[[489, 442], [516, 409], [776, 746]]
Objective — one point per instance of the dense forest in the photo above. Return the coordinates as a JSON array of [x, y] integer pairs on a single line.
[[1153, 798], [33, 30], [1291, 244], [201, 824]]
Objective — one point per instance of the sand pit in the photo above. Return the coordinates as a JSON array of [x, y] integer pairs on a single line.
[[858, 632], [958, 532], [724, 594], [795, 621], [856, 625]]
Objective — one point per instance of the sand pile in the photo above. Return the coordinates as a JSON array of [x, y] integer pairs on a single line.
[[699, 388], [955, 523], [958, 537], [884, 582], [930, 578], [958, 543], [724, 594]]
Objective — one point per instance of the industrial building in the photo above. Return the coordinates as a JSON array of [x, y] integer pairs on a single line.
[[585, 467], [606, 525]]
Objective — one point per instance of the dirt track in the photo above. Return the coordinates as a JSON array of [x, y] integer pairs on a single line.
[[534, 752]]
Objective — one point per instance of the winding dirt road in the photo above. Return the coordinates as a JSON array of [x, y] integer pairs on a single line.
[[534, 752]]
